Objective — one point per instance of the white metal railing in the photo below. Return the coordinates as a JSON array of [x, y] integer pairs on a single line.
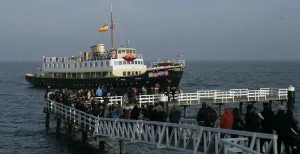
[[216, 96], [188, 98], [240, 92], [112, 99], [182, 137], [145, 99], [282, 94], [224, 97]]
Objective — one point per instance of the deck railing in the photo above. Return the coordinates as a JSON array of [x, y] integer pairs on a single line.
[[181, 137]]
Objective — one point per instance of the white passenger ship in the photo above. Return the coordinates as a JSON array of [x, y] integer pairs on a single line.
[[100, 67]]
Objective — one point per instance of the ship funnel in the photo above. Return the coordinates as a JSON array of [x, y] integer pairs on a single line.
[[98, 48]]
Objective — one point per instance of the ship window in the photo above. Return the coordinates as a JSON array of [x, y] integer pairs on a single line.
[[124, 73], [69, 65], [128, 62], [133, 51], [75, 65], [91, 64], [124, 62], [132, 73], [96, 64], [120, 62], [116, 63], [119, 51], [139, 62], [101, 63], [136, 73], [85, 64], [107, 63], [128, 73], [63, 65], [123, 51], [127, 51], [142, 62], [135, 62], [110, 74], [49, 65], [80, 64]]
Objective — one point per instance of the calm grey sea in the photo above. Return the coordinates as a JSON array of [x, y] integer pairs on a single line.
[[22, 119]]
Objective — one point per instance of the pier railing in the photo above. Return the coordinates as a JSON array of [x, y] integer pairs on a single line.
[[211, 96], [181, 137]]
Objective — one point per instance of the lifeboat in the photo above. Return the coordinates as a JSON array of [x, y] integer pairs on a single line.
[[129, 57]]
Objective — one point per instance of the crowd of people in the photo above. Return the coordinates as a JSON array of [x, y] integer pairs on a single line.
[[282, 123], [85, 100]]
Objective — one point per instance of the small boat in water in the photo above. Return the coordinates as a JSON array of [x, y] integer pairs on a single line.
[[116, 67]]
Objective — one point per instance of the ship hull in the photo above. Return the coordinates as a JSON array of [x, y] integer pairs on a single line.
[[149, 79]]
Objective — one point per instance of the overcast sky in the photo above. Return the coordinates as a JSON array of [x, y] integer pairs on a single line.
[[199, 29]]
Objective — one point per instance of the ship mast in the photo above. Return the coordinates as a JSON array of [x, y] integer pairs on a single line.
[[112, 26]]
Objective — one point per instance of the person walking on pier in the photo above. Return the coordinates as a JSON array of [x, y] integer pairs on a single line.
[[174, 116], [252, 120], [267, 123], [99, 92], [226, 120], [210, 117], [201, 114], [286, 128], [281, 127]]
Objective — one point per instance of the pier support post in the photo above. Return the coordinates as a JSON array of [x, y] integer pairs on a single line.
[[58, 124], [83, 134], [291, 98], [122, 146], [47, 124], [185, 111], [241, 108], [220, 109], [281, 103], [102, 146], [70, 129]]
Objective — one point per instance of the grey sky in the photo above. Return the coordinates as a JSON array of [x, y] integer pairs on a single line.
[[200, 30]]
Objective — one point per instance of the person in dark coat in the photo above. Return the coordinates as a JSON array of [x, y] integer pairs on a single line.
[[201, 114], [281, 127], [238, 123], [292, 131], [252, 121], [135, 113], [174, 116], [210, 117], [267, 124], [144, 112]]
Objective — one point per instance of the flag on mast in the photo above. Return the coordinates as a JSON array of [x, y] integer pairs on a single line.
[[103, 28]]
